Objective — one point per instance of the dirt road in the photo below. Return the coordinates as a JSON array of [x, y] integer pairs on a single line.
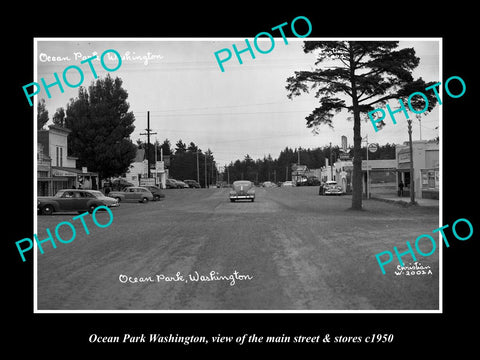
[[195, 250]]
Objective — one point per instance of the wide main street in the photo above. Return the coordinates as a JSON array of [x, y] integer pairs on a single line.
[[289, 250]]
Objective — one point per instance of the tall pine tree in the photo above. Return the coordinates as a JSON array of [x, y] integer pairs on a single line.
[[363, 72]]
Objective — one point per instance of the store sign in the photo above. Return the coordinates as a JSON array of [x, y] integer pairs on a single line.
[[57, 172], [366, 165], [404, 157], [147, 182]]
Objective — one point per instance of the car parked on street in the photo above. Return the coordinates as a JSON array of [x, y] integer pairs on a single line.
[[181, 184], [242, 190], [192, 183], [132, 193], [69, 200], [269, 184], [119, 184], [330, 188], [156, 192], [110, 202], [171, 184], [288, 183]]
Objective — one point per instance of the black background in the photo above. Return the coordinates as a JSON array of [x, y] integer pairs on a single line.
[[67, 334]]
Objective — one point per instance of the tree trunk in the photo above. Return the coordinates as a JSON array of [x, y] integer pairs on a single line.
[[357, 187]]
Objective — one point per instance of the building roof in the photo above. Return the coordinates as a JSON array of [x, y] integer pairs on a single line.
[[59, 128]]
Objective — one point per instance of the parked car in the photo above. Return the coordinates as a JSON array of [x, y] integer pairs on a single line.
[[288, 183], [242, 190], [69, 200], [171, 184], [313, 181], [119, 184], [268, 184], [181, 184], [330, 188], [192, 184], [132, 193], [110, 202], [156, 192]]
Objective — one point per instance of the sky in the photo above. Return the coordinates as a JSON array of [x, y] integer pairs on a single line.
[[243, 110]]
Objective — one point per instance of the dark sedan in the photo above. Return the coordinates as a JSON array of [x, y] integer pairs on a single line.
[[156, 192], [69, 200], [192, 184]]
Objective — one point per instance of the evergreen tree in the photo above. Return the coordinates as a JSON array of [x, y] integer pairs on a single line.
[[42, 114], [101, 125], [363, 72]]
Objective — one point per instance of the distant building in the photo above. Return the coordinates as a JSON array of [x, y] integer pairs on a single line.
[[138, 171]]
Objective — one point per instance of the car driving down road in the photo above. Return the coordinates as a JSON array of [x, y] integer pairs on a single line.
[[242, 190], [330, 188]]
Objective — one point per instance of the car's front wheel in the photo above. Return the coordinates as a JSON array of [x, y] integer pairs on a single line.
[[91, 208], [144, 200], [47, 210]]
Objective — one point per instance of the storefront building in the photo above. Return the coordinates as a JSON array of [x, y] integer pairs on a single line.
[[56, 170], [380, 179], [425, 168]]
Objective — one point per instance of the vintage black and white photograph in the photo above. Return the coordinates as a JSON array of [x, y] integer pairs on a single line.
[[269, 174]]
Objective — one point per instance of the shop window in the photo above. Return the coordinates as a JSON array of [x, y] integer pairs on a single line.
[[431, 179]]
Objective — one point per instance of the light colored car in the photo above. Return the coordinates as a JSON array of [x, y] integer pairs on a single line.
[[110, 202], [132, 193], [242, 190], [288, 183], [331, 188], [268, 184]]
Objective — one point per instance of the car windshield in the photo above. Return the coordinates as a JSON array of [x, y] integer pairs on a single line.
[[245, 185], [59, 193]]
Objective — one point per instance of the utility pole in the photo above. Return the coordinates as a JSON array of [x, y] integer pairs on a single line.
[[198, 169], [298, 156], [149, 131], [211, 177], [206, 185], [331, 163], [156, 169], [412, 175], [419, 118]]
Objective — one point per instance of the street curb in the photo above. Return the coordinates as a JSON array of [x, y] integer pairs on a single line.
[[396, 202]]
